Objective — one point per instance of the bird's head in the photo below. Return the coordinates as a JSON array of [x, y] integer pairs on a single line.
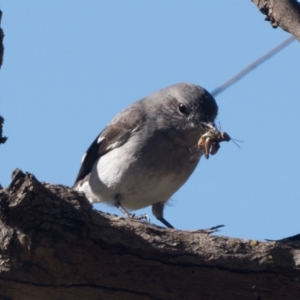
[[185, 109]]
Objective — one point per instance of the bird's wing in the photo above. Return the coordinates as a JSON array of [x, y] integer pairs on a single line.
[[114, 135]]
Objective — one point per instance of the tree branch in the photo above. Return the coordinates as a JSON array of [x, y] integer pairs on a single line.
[[283, 13], [54, 245], [2, 138], [1, 41]]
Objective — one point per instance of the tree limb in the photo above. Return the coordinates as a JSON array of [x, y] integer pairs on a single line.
[[283, 13], [2, 138], [54, 245], [1, 41]]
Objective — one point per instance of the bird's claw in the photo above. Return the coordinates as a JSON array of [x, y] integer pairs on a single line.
[[209, 230], [143, 217]]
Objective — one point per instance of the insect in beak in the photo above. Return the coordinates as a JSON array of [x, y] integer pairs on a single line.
[[210, 141]]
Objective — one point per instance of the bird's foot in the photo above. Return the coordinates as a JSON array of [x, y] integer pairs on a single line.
[[127, 214], [209, 230], [143, 217]]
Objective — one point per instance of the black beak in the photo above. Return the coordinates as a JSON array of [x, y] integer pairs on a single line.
[[209, 125]]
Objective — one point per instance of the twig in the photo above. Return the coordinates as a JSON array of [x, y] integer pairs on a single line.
[[250, 67]]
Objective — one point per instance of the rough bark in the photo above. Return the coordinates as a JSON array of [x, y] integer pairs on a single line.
[[283, 13], [54, 245]]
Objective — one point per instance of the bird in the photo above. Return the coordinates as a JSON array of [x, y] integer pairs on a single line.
[[143, 156]]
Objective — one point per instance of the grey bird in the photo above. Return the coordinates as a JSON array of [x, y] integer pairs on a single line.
[[144, 156]]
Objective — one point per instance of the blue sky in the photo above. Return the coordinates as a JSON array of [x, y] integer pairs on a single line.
[[71, 66]]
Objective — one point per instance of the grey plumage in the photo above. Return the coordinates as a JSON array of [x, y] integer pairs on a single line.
[[143, 156]]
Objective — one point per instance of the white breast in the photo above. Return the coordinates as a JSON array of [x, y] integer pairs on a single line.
[[142, 178]]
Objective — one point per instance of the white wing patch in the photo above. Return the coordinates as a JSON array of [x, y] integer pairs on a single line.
[[83, 157], [100, 139]]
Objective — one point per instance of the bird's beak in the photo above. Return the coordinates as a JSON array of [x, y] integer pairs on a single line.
[[209, 125]]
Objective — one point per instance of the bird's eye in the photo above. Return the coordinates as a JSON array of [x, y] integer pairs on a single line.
[[182, 108]]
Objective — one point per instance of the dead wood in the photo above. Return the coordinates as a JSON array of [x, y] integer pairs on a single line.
[[282, 13], [54, 245]]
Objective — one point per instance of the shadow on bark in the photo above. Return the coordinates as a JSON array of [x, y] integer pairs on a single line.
[[54, 245]]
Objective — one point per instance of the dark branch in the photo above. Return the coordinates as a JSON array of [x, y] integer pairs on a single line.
[[54, 245], [283, 13], [1, 41], [2, 138]]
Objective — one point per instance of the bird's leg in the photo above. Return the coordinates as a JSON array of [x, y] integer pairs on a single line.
[[158, 210], [121, 207], [165, 222], [127, 214]]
